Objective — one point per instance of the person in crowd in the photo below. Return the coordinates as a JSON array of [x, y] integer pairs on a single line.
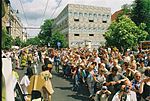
[[115, 64], [47, 89], [145, 85], [15, 74], [29, 58], [103, 94], [141, 67], [127, 57], [40, 55], [148, 60], [57, 62], [25, 82], [100, 78], [47, 62], [132, 70], [113, 82], [136, 85], [91, 78], [120, 60], [23, 59], [97, 60], [125, 93], [132, 59]]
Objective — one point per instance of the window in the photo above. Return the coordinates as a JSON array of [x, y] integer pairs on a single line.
[[91, 34], [99, 15], [80, 14], [104, 21], [95, 15], [75, 14], [85, 14], [90, 14], [76, 34], [107, 16], [76, 19], [70, 13], [91, 20]]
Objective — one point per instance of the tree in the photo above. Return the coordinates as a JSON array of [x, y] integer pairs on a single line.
[[17, 42], [58, 37], [7, 40], [46, 31], [124, 33], [33, 41], [141, 13]]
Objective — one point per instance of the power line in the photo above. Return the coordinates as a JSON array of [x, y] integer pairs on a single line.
[[55, 9], [24, 12], [44, 11]]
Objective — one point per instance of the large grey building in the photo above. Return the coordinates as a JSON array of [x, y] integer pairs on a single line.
[[83, 25]]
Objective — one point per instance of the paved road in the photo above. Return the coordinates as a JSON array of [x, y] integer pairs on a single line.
[[63, 90]]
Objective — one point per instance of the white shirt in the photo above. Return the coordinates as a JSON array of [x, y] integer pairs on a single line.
[[25, 82], [131, 96]]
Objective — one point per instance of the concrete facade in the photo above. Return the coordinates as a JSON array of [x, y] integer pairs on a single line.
[[83, 25]]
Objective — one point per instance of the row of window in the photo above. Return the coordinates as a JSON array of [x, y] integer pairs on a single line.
[[77, 20], [83, 43], [79, 34], [87, 28], [95, 15]]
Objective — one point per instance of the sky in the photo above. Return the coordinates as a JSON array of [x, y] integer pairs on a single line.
[[32, 13]]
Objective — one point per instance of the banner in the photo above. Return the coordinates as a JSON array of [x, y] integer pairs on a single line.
[[8, 78]]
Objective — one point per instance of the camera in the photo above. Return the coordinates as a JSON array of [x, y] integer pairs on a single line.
[[126, 89], [104, 88]]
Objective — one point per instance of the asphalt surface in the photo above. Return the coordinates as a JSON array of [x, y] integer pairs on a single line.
[[63, 89]]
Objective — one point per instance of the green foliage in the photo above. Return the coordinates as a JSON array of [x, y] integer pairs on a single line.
[[141, 13], [46, 32], [124, 33], [7, 40], [33, 41], [17, 42], [58, 37], [126, 9]]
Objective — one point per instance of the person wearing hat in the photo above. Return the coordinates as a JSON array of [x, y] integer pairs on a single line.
[[47, 89], [103, 94]]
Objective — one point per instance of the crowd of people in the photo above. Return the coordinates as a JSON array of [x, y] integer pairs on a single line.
[[108, 74]]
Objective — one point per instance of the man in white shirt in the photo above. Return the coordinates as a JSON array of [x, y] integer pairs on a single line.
[[125, 94]]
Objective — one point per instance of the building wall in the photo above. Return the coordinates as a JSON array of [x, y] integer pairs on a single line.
[[82, 23], [12, 22], [5, 17], [16, 25]]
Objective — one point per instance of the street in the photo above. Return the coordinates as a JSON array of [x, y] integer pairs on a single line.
[[63, 90]]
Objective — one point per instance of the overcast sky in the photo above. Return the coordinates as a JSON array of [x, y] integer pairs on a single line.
[[34, 9]]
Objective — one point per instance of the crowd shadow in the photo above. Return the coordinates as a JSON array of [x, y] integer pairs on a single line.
[[81, 94], [64, 88], [79, 97]]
